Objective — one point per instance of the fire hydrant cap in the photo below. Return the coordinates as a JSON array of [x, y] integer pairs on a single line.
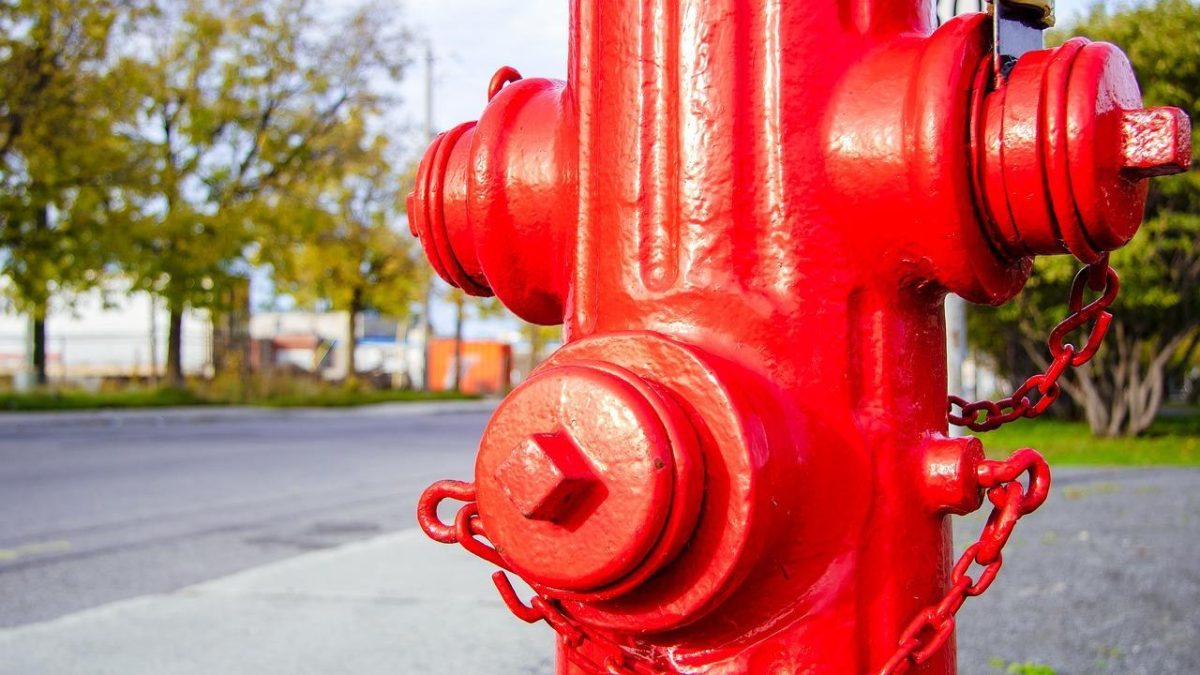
[[1068, 148], [1101, 91], [576, 475]]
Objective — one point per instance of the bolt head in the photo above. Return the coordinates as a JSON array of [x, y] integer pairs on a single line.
[[1156, 142], [546, 477]]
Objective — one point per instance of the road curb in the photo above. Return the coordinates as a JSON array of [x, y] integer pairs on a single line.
[[157, 417]]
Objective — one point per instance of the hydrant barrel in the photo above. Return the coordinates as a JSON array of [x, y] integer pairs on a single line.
[[747, 215]]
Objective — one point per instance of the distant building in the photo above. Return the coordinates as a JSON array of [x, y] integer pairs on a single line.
[[106, 333], [111, 333], [317, 342], [487, 366]]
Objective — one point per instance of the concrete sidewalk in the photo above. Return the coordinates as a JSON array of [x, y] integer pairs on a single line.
[[396, 604]]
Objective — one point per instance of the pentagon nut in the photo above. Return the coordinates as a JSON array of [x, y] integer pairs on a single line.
[[1156, 142], [546, 477]]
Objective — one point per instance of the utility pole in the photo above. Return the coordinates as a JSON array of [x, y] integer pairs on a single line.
[[426, 322], [956, 348]]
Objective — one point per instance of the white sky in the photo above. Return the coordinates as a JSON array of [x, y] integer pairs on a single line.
[[471, 39]]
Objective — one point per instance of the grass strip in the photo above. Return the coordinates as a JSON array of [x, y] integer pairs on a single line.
[[1171, 441]]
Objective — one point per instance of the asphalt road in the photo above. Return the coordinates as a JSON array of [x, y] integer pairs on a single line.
[[99, 509], [1102, 579]]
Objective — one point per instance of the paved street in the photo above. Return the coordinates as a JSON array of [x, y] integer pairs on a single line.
[[210, 530], [99, 508]]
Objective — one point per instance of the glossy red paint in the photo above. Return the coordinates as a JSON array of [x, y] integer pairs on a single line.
[[1064, 142], [747, 215]]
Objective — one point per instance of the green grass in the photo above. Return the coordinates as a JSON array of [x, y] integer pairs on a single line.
[[342, 398], [1014, 668], [330, 396], [1171, 441], [88, 400]]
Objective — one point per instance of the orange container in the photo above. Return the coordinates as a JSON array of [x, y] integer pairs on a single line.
[[486, 366]]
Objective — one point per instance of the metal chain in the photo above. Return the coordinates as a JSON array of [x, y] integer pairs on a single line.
[[921, 639], [934, 625], [1038, 392], [467, 531]]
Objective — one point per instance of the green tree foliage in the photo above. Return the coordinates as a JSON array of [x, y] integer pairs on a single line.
[[238, 102], [61, 164], [335, 241], [1157, 322]]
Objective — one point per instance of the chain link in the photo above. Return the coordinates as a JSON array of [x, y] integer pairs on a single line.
[[467, 531], [1038, 392], [1011, 500]]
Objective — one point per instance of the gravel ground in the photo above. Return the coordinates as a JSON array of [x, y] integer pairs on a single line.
[[1102, 579]]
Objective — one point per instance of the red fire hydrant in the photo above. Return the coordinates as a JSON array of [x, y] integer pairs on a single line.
[[747, 214]]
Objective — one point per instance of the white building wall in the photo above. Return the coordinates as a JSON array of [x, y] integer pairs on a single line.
[[106, 332]]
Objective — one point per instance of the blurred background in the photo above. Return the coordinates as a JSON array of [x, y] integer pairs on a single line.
[[208, 196], [202, 224]]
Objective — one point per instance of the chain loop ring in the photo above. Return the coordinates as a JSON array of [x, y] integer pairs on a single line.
[[468, 531], [933, 626], [431, 498], [504, 75]]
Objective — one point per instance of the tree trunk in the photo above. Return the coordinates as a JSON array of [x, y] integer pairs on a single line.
[[1186, 372], [1125, 399], [1120, 392], [174, 346], [1146, 397], [427, 337], [38, 324], [458, 343], [352, 337], [537, 343]]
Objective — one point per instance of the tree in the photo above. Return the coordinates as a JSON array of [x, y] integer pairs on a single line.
[[338, 244], [239, 101], [466, 306], [61, 165], [539, 337], [1157, 316]]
